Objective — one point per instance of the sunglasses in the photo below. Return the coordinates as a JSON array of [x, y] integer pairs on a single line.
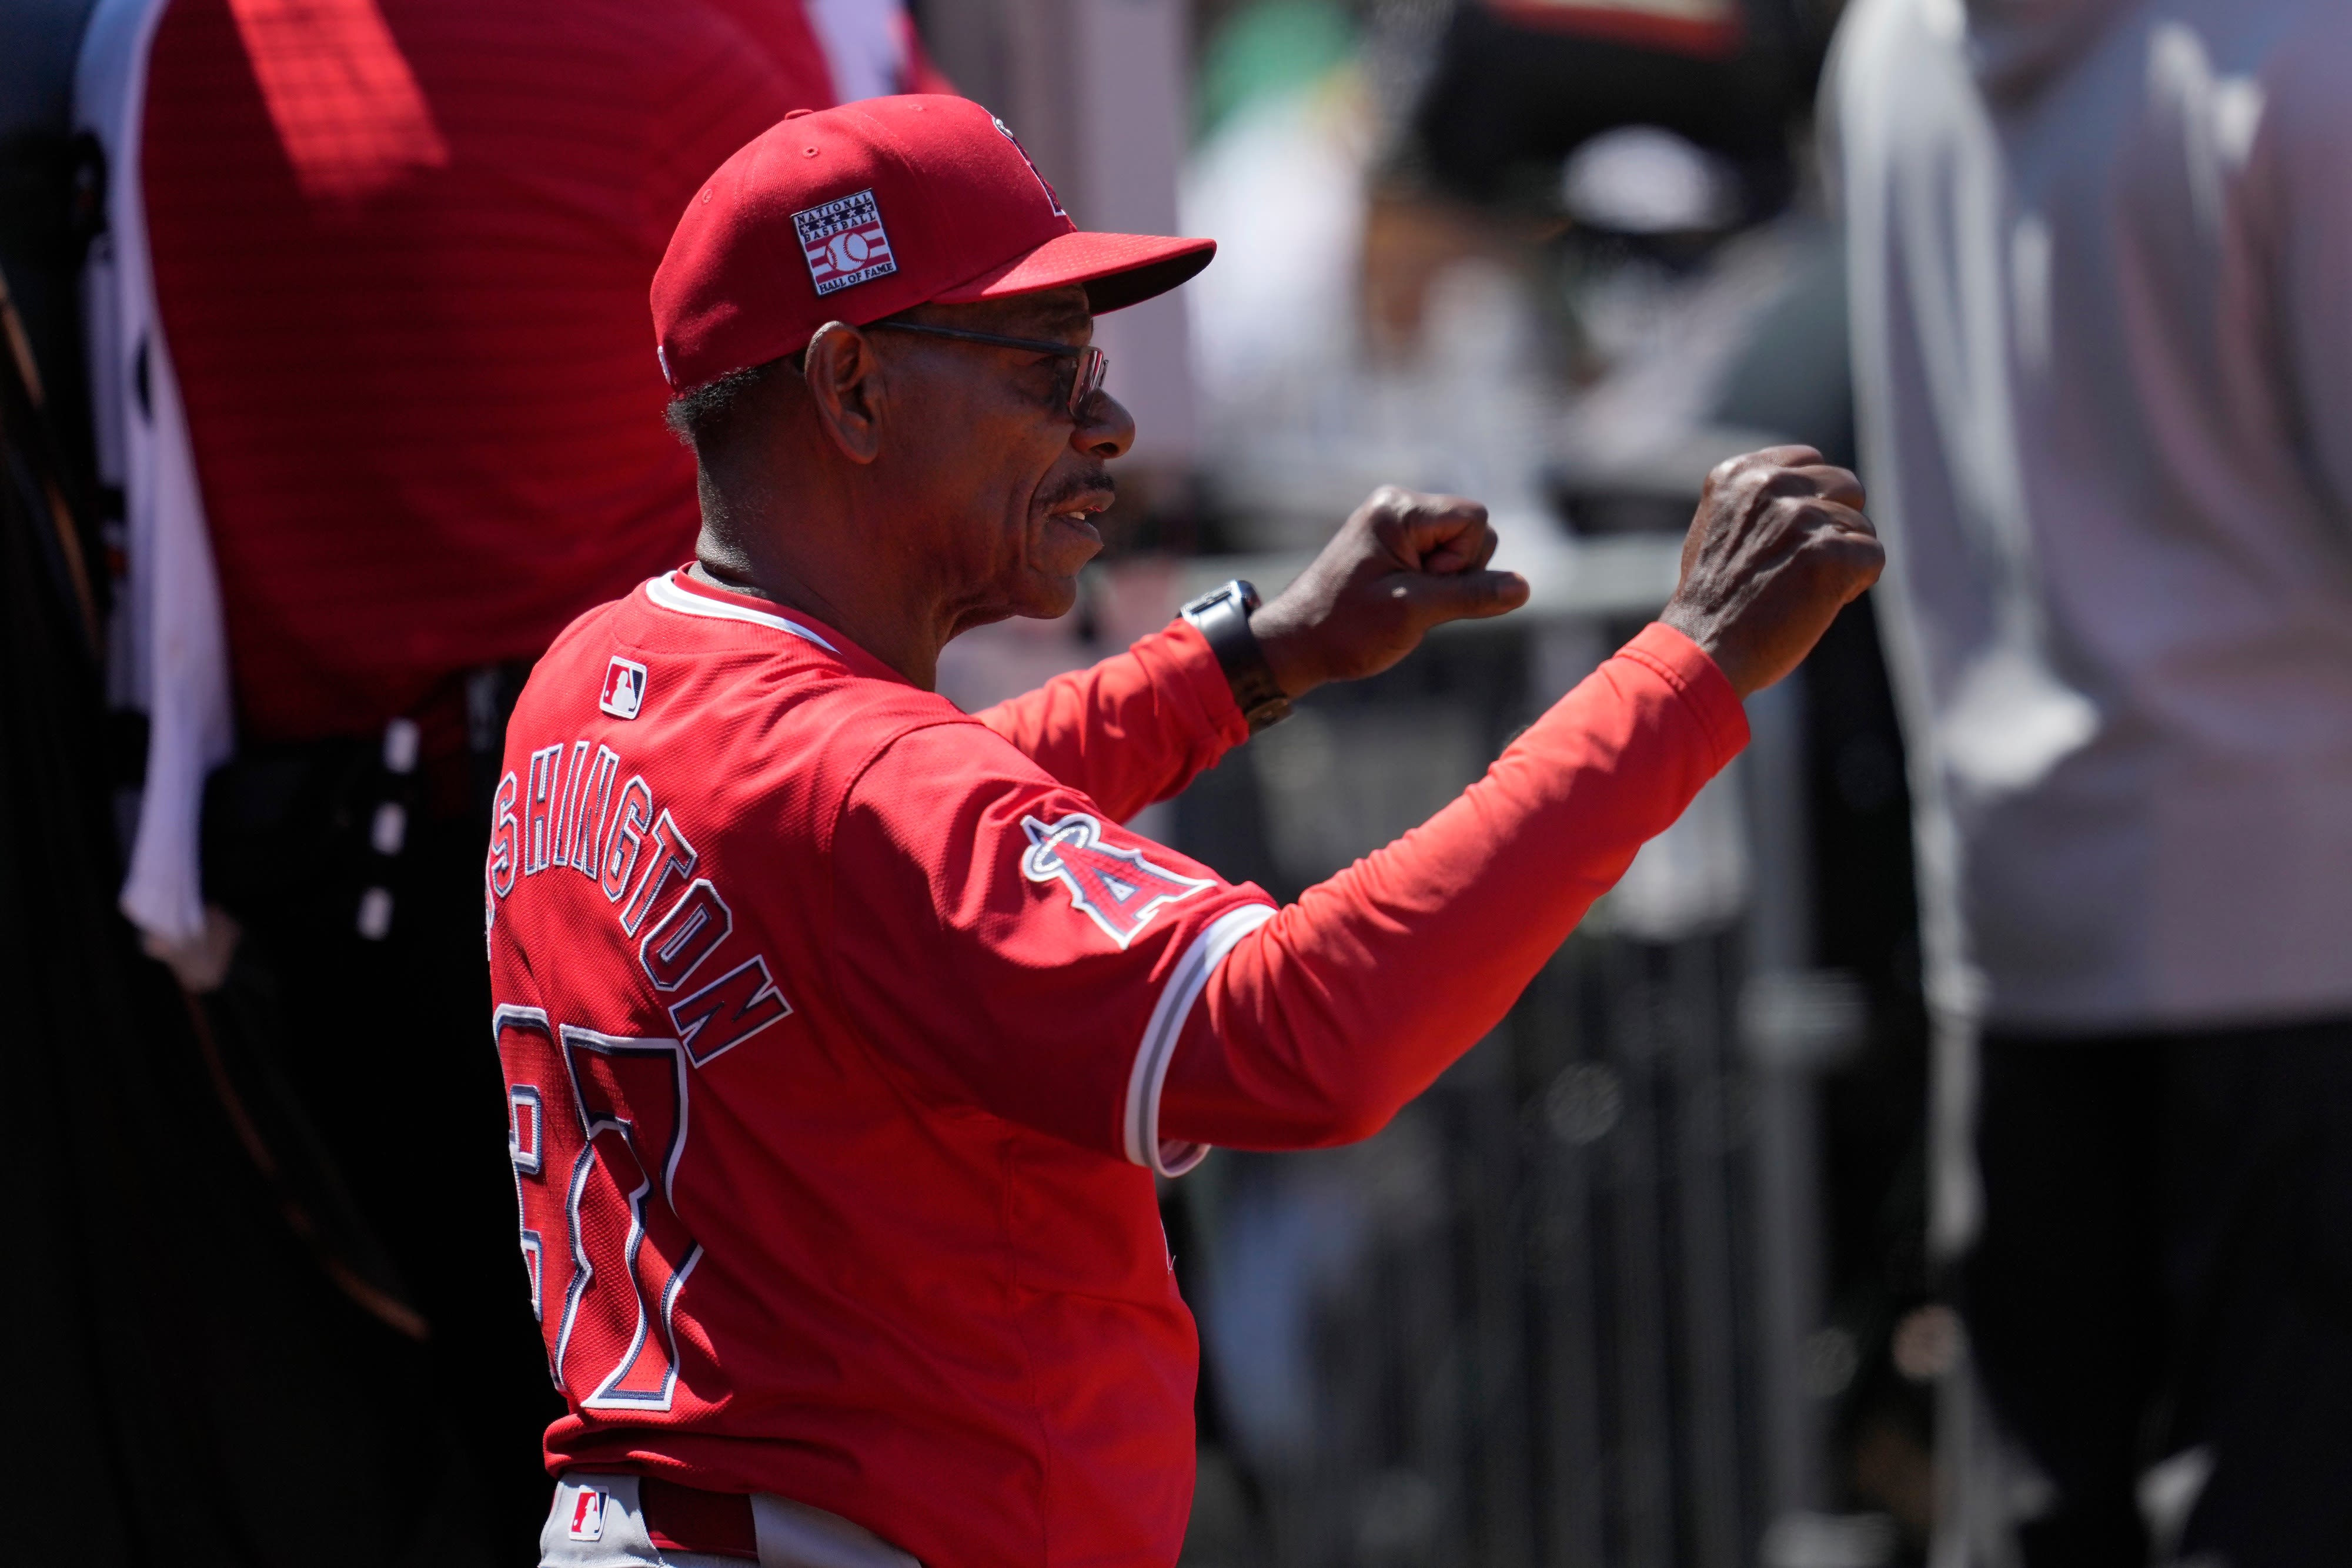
[[1088, 364]]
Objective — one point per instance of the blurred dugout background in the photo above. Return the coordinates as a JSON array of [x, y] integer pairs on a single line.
[[1641, 1283]]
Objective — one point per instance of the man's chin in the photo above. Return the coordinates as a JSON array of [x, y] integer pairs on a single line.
[[1061, 550], [1050, 596]]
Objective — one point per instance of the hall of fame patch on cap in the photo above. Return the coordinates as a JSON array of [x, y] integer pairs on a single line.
[[844, 243]]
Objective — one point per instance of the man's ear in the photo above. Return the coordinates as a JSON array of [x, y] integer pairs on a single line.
[[844, 382]]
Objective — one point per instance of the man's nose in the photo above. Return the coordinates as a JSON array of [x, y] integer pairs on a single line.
[[1105, 429]]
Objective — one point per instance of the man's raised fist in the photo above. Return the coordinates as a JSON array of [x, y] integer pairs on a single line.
[[1778, 547]]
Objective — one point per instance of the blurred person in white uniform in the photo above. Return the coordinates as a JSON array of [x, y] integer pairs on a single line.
[[2101, 258]]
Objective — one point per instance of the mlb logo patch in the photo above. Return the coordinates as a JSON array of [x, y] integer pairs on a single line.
[[625, 688], [588, 1514], [844, 243]]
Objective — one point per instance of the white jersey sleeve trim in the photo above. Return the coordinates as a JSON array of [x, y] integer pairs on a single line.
[[670, 596], [1145, 1148]]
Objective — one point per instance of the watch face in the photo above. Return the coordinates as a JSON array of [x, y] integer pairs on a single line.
[[1235, 592]]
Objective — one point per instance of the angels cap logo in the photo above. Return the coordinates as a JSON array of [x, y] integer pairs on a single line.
[[844, 243], [1117, 887], [1053, 198], [625, 688]]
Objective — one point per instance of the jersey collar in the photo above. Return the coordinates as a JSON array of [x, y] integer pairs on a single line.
[[683, 593], [680, 591]]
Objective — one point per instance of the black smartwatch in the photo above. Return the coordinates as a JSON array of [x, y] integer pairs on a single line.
[[1223, 615]]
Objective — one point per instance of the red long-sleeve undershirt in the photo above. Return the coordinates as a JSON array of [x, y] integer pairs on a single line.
[[1321, 1024], [1133, 729]]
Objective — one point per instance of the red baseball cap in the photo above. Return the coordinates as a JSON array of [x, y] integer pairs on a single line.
[[858, 213]]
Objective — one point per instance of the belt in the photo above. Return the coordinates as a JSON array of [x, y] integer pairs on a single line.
[[681, 1517]]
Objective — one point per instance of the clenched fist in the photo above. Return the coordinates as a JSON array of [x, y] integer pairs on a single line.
[[1403, 563], [1778, 547]]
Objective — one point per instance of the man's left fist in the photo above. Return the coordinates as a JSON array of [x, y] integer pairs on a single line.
[[1403, 563]]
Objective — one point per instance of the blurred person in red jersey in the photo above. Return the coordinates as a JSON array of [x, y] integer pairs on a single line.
[[2099, 253], [371, 357]]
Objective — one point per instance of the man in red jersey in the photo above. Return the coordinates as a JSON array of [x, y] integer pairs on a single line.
[[845, 1033]]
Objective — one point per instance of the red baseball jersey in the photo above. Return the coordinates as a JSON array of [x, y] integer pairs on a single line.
[[833, 1022]]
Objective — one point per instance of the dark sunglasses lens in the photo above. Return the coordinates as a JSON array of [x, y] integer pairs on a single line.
[[1086, 378]]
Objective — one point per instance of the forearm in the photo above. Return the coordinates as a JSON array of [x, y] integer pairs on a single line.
[[1133, 729], [1322, 1023]]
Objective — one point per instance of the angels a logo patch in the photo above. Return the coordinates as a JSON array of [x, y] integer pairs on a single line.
[[1117, 888]]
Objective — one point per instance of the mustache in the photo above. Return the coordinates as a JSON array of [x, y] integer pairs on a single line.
[[1098, 482]]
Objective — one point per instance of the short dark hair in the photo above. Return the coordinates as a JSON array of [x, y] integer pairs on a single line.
[[701, 417]]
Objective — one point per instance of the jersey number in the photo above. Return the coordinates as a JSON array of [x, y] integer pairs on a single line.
[[595, 1126]]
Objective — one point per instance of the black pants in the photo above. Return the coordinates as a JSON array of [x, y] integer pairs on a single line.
[[368, 1065], [2167, 1261]]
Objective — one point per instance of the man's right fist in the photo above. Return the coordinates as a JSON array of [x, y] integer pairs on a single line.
[[1778, 547]]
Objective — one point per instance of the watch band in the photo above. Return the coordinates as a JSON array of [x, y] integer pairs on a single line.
[[1222, 616]]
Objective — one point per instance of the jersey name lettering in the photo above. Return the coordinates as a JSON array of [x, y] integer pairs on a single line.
[[634, 850]]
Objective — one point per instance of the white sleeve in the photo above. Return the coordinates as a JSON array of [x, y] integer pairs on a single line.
[[174, 648]]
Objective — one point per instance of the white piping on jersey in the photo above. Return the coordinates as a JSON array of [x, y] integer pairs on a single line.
[[670, 596], [1150, 1075]]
